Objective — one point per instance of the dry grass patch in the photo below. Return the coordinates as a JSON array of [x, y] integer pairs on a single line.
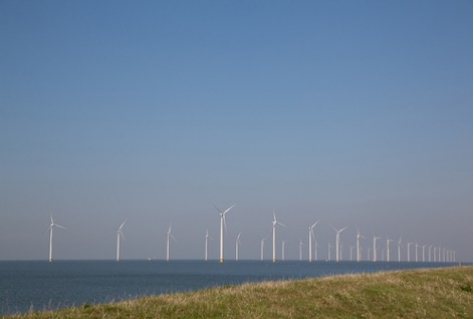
[[431, 293]]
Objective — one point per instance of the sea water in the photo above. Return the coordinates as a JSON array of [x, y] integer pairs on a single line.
[[39, 285]]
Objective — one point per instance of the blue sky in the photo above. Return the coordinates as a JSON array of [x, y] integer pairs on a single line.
[[355, 113]]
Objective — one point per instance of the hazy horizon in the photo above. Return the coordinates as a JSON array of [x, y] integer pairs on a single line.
[[354, 114]]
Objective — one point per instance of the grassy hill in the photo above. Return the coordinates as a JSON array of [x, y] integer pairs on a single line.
[[422, 293]]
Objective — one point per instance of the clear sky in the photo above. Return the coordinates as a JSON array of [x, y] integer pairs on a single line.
[[355, 113]]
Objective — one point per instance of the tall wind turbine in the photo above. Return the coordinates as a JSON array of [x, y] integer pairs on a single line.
[[206, 243], [283, 242], [237, 243], [311, 238], [416, 251], [388, 248], [399, 249], [375, 248], [50, 229], [338, 238], [424, 247], [316, 245], [301, 249], [408, 251], [262, 244], [274, 223], [168, 235], [223, 224], [119, 234], [359, 236]]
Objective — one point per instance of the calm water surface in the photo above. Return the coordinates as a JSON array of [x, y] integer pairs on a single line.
[[41, 285]]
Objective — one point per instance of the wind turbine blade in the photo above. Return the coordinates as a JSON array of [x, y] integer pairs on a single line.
[[225, 223], [217, 208], [51, 217], [59, 226], [121, 226], [314, 225], [282, 224], [228, 209], [171, 235]]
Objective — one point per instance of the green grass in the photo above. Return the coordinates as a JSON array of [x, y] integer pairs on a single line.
[[422, 293]]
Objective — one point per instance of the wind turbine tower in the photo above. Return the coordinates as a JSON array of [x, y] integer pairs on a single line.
[[399, 249], [262, 244], [408, 251], [51, 226], [388, 248], [359, 236], [283, 242], [119, 234], [168, 235], [274, 224], [316, 245], [375, 248], [311, 238], [206, 244], [301, 249], [237, 243], [416, 251], [338, 238], [223, 223]]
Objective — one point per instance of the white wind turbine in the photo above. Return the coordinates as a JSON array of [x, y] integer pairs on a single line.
[[237, 243], [338, 238], [388, 248], [408, 251], [316, 246], [262, 244], [283, 242], [206, 244], [50, 229], [311, 238], [223, 224], [168, 235], [301, 249], [119, 234], [416, 251], [399, 249], [359, 236], [424, 247], [274, 223], [375, 248]]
